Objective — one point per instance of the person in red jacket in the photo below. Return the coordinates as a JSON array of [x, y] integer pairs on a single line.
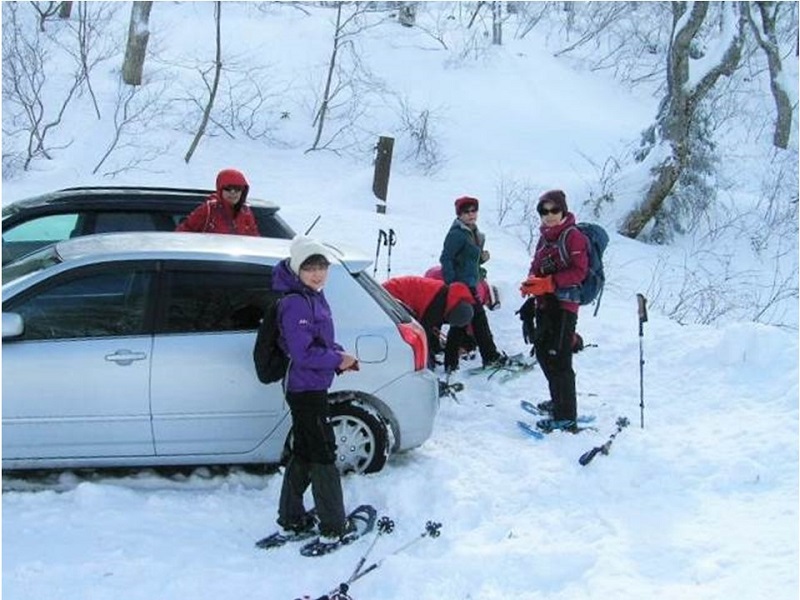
[[225, 211], [433, 303], [552, 280]]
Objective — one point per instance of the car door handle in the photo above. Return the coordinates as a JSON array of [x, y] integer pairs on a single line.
[[125, 357]]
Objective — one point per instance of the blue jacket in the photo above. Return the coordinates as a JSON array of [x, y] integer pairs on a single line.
[[461, 255], [307, 334]]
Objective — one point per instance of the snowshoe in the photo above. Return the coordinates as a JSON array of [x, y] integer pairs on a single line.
[[359, 522], [295, 532]]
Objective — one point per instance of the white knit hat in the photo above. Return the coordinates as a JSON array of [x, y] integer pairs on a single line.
[[302, 249]]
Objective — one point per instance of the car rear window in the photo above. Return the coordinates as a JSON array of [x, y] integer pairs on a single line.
[[390, 305]]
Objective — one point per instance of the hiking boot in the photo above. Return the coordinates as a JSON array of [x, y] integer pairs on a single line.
[[329, 537], [550, 425], [499, 361], [546, 406], [302, 527]]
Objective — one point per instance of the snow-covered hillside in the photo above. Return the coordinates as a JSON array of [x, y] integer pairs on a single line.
[[700, 503]]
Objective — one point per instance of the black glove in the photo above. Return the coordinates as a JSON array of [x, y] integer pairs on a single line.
[[548, 266], [577, 343], [527, 314]]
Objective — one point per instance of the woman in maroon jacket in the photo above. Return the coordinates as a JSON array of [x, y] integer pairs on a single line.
[[225, 210], [556, 271]]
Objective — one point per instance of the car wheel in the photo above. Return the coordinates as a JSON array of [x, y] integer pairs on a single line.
[[362, 437]]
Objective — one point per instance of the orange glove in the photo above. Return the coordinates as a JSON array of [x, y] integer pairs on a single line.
[[537, 286]]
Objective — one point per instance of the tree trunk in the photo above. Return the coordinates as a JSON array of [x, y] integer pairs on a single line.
[[212, 96], [764, 28], [408, 14], [497, 23], [685, 91], [319, 121], [138, 36]]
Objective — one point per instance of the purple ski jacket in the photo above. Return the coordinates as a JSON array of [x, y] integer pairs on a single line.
[[307, 334]]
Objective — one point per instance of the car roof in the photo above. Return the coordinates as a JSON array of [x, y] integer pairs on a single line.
[[107, 196], [144, 245]]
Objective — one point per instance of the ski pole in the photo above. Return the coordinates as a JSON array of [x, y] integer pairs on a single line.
[[385, 525], [381, 240], [642, 305], [391, 241], [586, 457], [599, 298], [432, 530]]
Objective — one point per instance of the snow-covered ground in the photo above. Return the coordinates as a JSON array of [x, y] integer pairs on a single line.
[[700, 503]]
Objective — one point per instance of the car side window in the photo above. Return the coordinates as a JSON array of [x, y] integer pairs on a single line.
[[127, 221], [36, 233], [200, 300], [89, 305]]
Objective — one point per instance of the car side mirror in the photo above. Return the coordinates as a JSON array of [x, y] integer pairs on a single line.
[[13, 325]]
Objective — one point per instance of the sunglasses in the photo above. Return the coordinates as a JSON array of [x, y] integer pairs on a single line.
[[232, 188], [549, 211]]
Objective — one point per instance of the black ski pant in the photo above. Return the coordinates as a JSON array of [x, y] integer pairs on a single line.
[[312, 462], [480, 329], [555, 328]]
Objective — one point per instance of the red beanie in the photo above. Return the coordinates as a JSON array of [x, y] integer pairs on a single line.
[[465, 202]]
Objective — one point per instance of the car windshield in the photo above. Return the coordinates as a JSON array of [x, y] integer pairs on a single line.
[[29, 264]]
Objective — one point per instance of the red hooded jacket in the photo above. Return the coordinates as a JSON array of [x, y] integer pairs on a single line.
[[217, 216], [418, 294]]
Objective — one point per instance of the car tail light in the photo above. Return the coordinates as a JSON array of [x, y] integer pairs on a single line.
[[414, 335]]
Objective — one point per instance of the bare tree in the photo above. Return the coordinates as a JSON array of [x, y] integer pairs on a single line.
[[689, 81], [497, 23], [32, 111], [88, 46], [344, 83], [136, 109], [417, 136], [763, 26], [136, 48], [516, 209], [213, 87], [45, 11]]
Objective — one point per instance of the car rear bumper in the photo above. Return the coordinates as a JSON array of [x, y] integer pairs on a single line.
[[413, 400]]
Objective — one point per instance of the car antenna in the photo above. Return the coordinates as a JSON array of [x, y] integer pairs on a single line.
[[312, 225]]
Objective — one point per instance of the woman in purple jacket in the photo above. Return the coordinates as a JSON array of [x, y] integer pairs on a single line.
[[307, 336]]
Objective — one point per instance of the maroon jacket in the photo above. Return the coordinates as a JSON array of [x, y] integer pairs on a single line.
[[570, 272], [217, 216]]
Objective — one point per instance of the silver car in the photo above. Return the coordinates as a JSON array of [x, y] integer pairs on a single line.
[[136, 349]]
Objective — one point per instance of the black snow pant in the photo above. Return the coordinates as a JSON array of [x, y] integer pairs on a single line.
[[555, 328], [480, 329], [312, 462]]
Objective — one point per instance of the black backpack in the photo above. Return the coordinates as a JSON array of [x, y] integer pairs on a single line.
[[270, 359]]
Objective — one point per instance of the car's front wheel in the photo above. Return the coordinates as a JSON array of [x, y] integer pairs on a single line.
[[362, 437]]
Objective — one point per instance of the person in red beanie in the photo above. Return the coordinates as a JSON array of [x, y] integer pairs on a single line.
[[461, 259], [225, 211], [552, 281], [433, 303]]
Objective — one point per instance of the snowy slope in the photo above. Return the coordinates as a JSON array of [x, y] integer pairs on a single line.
[[701, 503]]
